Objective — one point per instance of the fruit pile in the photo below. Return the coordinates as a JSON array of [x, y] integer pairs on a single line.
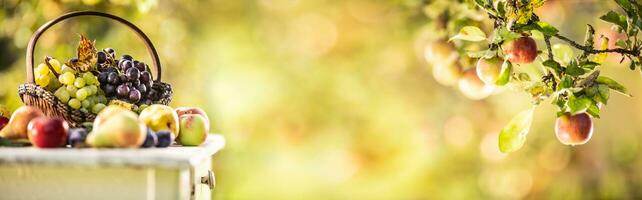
[[115, 127], [128, 104], [97, 78]]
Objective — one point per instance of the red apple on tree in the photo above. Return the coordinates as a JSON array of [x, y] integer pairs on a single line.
[[193, 110], [46, 132], [522, 50], [574, 129]]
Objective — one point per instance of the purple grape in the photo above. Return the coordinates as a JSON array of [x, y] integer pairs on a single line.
[[102, 77], [77, 137], [127, 57], [140, 66], [134, 96], [142, 88], [125, 64], [112, 78], [145, 77], [132, 74], [122, 91], [165, 138], [110, 90], [123, 78], [150, 139], [102, 57]]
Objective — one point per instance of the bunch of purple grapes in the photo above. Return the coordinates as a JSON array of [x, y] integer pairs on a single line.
[[125, 78]]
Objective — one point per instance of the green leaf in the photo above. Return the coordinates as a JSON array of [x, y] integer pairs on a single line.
[[537, 35], [482, 54], [627, 7], [470, 33], [613, 85], [594, 111], [591, 91], [603, 92], [589, 65], [620, 43], [546, 28], [504, 34], [552, 64], [513, 135], [615, 18], [574, 70], [563, 53], [578, 104], [504, 75], [566, 82], [501, 10]]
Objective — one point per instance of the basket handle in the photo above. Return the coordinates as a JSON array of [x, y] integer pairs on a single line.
[[34, 39]]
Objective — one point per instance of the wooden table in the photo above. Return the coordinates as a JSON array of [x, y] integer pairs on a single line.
[[65, 173]]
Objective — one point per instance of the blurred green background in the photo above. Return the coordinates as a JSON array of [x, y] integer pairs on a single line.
[[324, 99]]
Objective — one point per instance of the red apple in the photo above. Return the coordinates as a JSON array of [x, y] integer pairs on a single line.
[[194, 110], [3, 122], [46, 132], [574, 129], [521, 51]]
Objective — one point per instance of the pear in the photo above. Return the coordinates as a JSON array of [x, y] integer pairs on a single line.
[[117, 127], [161, 117], [17, 127]]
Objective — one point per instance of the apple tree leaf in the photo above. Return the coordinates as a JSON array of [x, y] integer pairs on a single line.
[[470, 33], [513, 136]]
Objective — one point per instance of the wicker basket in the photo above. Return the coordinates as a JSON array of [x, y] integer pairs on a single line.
[[34, 95]]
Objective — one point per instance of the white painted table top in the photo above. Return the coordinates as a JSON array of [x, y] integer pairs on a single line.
[[171, 157]]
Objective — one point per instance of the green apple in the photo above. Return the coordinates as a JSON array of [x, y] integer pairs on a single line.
[[193, 130], [117, 127], [160, 117]]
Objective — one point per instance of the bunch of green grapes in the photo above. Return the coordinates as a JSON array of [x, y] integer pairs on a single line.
[[80, 91]]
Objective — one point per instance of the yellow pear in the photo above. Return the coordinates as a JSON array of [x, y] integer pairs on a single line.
[[17, 126], [117, 127], [160, 117]]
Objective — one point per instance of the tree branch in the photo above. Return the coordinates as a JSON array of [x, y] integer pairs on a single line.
[[591, 50]]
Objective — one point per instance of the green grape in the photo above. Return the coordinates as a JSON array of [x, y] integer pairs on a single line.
[[89, 78], [43, 80], [66, 69], [62, 94], [93, 89], [86, 104], [82, 94], [42, 70], [74, 103], [84, 110], [79, 83], [56, 65], [72, 90], [101, 99], [67, 78], [53, 83], [97, 108]]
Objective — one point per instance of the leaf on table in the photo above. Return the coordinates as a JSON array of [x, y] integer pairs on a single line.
[[513, 136]]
